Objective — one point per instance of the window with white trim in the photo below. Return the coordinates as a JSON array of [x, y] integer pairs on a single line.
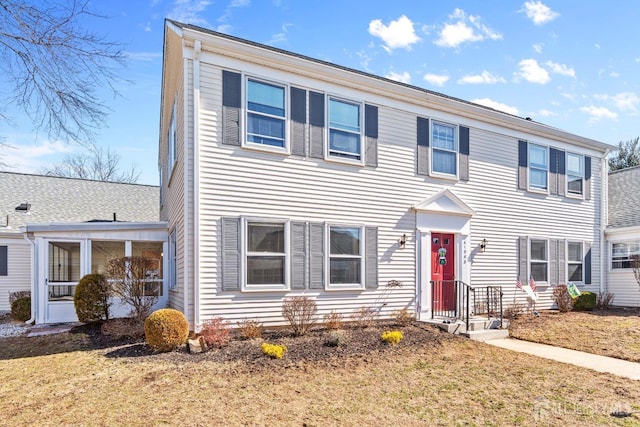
[[345, 129], [444, 143], [539, 260], [173, 261], [266, 252], [266, 114], [575, 174], [172, 136], [346, 250], [538, 167], [622, 254], [575, 260]]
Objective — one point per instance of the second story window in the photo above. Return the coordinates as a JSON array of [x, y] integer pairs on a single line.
[[345, 129], [172, 140], [575, 174], [538, 167], [266, 119], [445, 149]]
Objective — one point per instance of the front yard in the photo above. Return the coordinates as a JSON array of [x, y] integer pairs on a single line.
[[427, 379]]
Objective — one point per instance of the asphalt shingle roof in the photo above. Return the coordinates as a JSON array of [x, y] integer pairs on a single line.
[[61, 200], [624, 197]]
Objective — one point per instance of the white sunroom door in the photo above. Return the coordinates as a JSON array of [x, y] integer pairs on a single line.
[[65, 267]]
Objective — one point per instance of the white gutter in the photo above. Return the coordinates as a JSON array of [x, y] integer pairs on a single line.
[[185, 185], [34, 277], [604, 219], [196, 182]]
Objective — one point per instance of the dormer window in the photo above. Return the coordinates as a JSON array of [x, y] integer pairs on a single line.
[[23, 207]]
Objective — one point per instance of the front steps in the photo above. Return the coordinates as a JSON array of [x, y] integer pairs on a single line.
[[480, 329]]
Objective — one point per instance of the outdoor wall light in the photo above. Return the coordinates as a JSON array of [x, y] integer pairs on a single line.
[[402, 241], [483, 245]]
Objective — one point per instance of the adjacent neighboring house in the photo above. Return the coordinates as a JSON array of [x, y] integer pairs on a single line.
[[284, 175], [623, 235], [54, 230]]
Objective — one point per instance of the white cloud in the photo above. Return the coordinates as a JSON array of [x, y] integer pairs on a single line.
[[538, 47], [487, 102], [624, 101], [281, 36], [463, 28], [143, 56], [32, 157], [614, 74], [483, 78], [546, 113], [147, 27], [532, 72], [189, 11], [398, 34], [560, 69], [399, 77], [436, 79], [599, 113], [539, 13]]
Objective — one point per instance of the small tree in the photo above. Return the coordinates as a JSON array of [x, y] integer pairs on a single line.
[[635, 264], [626, 156], [129, 277]]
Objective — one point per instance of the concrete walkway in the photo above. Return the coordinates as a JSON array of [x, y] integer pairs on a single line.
[[622, 368]]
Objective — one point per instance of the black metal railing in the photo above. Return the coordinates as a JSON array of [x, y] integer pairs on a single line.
[[455, 299]]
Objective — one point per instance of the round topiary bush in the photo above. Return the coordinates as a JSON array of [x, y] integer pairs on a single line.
[[586, 301], [166, 330], [91, 298], [21, 309]]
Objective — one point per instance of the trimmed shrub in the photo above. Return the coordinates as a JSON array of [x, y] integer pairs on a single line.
[[300, 313], [21, 309], [91, 298], [276, 351], [586, 301], [392, 337], [18, 294], [514, 311], [166, 330], [215, 332], [250, 329], [333, 320], [605, 300], [336, 339], [403, 317], [364, 316], [562, 298]]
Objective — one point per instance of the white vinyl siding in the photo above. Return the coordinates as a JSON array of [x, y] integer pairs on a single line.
[[173, 261], [18, 276], [172, 136]]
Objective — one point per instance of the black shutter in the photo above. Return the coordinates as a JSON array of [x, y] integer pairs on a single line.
[[316, 255], [464, 153], [299, 275], [553, 171], [371, 257], [522, 165], [231, 107], [423, 146], [371, 135], [587, 178], [523, 260], [316, 125], [298, 121], [230, 254], [587, 264], [561, 172], [4, 261]]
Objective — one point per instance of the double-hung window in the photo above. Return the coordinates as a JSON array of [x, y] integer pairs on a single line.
[[266, 114], [346, 257], [172, 137], [622, 254], [575, 261], [345, 129], [539, 260], [266, 255], [445, 149], [173, 261], [538, 167], [575, 174]]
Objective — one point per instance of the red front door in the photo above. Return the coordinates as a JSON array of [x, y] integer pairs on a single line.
[[443, 271]]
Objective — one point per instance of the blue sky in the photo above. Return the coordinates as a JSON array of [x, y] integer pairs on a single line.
[[569, 64]]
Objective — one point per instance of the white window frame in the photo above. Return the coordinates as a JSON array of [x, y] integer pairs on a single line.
[[432, 148], [538, 261], [344, 286], [244, 234], [570, 194], [571, 262], [172, 140], [173, 261], [328, 151], [161, 179], [245, 116], [529, 168], [629, 252]]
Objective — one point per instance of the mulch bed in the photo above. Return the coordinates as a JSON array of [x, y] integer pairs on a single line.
[[362, 343]]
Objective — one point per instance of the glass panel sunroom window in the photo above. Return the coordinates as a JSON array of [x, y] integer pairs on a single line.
[[265, 113], [265, 254], [344, 129], [575, 173], [104, 251], [445, 149], [152, 252], [538, 166], [345, 255]]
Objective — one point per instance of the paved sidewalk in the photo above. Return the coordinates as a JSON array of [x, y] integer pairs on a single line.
[[622, 368]]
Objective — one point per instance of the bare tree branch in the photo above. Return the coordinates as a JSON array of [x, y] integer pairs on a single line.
[[56, 66]]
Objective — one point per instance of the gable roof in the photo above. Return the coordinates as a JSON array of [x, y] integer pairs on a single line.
[[59, 200], [624, 198]]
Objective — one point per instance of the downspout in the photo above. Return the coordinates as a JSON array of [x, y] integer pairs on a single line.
[[604, 219], [185, 184], [34, 276], [196, 182]]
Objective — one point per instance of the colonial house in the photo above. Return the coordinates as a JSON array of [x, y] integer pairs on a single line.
[[284, 175], [55, 230], [623, 236]]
